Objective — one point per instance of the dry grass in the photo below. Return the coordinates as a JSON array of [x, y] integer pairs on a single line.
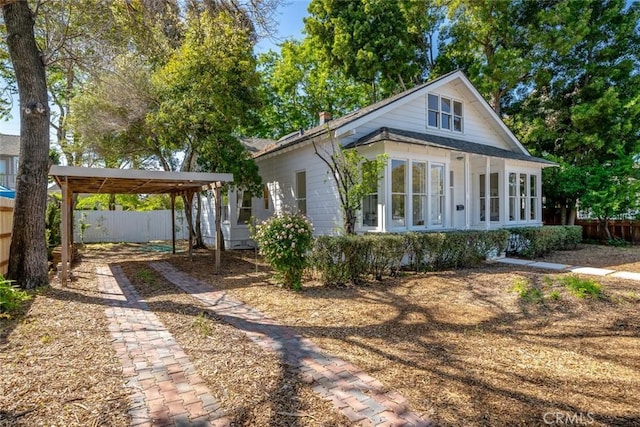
[[462, 346]]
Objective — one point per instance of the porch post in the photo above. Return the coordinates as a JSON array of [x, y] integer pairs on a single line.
[[487, 196], [467, 192]]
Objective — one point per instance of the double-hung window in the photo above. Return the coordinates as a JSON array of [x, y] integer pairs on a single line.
[[301, 192], [370, 201], [419, 189], [491, 201], [523, 197], [533, 194], [444, 113], [398, 192], [437, 194]]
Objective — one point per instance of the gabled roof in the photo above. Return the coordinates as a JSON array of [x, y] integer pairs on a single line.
[[352, 120], [9, 145], [397, 135]]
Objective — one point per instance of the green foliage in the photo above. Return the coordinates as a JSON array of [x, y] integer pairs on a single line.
[[284, 240], [297, 84], [339, 259], [582, 106], [342, 259], [582, 288], [534, 242], [53, 219], [11, 297], [145, 276], [527, 291], [439, 251], [202, 324], [129, 202], [618, 242], [363, 38]]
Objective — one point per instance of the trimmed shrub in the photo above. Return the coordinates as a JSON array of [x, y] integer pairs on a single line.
[[534, 242], [284, 240], [339, 259], [342, 259], [385, 254]]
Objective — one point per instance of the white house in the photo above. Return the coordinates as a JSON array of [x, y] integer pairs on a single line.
[[452, 164]]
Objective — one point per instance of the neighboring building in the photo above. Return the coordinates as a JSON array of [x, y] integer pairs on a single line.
[[9, 152], [452, 164]]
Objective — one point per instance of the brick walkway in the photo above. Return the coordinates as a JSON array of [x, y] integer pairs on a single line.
[[359, 396], [166, 389]]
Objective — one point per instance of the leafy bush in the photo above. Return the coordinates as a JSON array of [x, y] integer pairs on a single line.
[[582, 288], [534, 242], [284, 240], [11, 297], [340, 259]]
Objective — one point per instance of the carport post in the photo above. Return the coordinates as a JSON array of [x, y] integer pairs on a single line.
[[64, 187], [218, 209], [173, 222]]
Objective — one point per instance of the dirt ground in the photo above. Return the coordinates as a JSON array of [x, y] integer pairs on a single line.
[[462, 346]]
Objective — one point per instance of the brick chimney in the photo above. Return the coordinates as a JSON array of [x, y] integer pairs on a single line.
[[325, 116]]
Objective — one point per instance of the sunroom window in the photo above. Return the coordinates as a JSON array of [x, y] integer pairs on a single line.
[[491, 200], [437, 194], [370, 203], [398, 192]]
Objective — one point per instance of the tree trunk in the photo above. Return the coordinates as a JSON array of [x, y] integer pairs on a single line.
[[563, 215], [573, 213], [349, 222], [28, 253]]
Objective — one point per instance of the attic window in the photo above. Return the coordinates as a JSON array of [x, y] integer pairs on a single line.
[[444, 113]]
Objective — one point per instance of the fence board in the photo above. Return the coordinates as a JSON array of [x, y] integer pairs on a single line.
[[135, 227], [6, 224]]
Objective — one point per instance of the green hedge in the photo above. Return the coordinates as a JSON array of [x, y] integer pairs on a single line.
[[342, 259], [534, 242]]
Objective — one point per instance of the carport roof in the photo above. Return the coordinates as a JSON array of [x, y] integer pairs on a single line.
[[133, 181]]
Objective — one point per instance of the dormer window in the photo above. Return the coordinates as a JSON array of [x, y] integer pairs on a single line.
[[444, 113]]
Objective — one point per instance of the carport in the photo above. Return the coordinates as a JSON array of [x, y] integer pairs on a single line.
[[75, 180]]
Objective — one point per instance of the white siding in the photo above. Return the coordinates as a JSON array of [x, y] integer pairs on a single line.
[[412, 116], [323, 207]]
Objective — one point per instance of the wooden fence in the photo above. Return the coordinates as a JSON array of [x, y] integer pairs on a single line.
[[621, 228], [6, 224]]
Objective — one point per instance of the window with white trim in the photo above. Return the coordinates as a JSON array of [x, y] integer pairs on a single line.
[[419, 192], [370, 204], [491, 200], [301, 192], [523, 196], [513, 196], [437, 194], [243, 198], [533, 195], [444, 113], [398, 192]]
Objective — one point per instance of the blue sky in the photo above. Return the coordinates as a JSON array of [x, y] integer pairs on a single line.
[[290, 25]]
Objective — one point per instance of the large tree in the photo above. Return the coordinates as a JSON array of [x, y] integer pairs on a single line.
[[28, 253], [386, 44], [585, 106], [297, 84]]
